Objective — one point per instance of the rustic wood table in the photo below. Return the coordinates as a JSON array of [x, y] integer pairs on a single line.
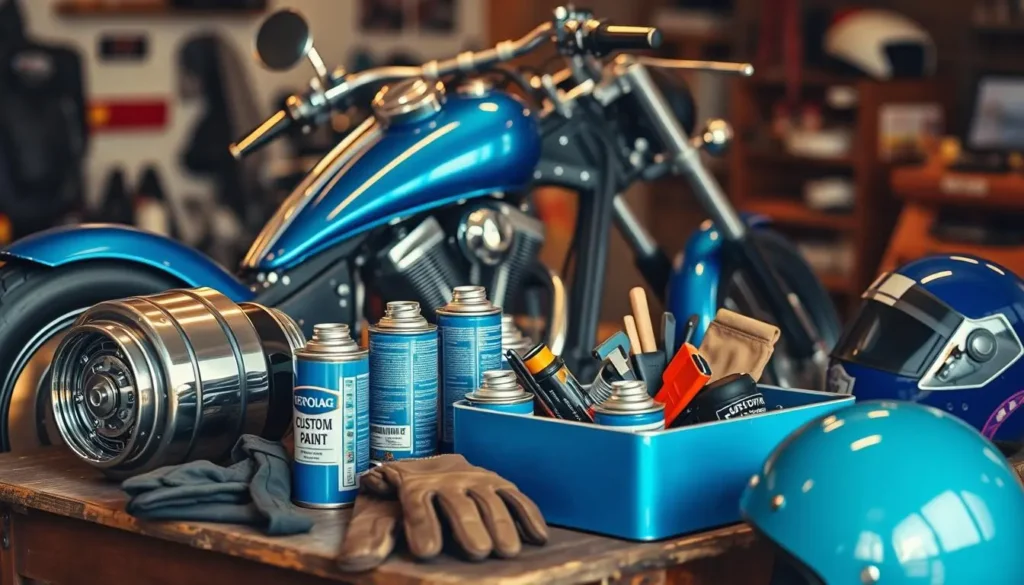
[[62, 523]]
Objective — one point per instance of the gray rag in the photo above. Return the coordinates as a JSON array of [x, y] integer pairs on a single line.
[[255, 489]]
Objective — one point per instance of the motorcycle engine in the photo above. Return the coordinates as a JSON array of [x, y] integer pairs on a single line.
[[490, 243]]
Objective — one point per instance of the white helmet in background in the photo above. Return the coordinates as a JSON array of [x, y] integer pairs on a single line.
[[881, 44]]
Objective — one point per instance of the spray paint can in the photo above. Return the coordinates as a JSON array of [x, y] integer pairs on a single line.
[[469, 328], [501, 392], [512, 338], [630, 408], [331, 418], [403, 384]]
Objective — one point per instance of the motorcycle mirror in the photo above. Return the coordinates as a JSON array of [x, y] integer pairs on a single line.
[[715, 137], [283, 40]]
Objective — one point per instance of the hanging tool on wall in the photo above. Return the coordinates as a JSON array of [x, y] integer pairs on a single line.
[[43, 133], [153, 210], [117, 205], [780, 43]]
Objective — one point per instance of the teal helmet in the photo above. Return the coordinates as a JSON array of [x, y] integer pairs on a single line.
[[889, 493]]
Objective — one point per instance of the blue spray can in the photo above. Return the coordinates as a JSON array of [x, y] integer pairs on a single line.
[[630, 408], [514, 339], [470, 331], [403, 384], [331, 418], [501, 392]]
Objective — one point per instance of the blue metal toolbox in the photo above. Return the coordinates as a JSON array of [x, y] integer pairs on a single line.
[[638, 486]]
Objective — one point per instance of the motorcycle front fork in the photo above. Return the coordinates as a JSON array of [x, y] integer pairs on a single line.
[[802, 339], [799, 331]]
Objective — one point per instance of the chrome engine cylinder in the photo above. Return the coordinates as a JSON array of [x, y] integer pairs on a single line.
[[144, 382]]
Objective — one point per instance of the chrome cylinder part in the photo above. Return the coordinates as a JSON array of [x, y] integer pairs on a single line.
[[144, 382], [402, 316], [601, 389], [499, 387], [628, 397], [513, 338]]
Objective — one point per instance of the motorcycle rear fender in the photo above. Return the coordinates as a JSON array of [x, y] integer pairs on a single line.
[[69, 244], [696, 272]]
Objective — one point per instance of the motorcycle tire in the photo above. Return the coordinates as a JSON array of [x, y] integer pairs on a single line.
[[801, 280], [37, 305]]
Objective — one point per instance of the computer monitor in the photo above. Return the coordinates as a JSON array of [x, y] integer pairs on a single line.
[[996, 114]]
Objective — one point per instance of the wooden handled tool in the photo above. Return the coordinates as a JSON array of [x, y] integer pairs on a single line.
[[642, 315], [634, 339]]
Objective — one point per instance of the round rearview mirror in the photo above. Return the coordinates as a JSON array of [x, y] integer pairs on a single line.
[[283, 40]]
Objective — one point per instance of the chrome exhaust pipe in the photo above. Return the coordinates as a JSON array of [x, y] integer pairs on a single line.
[[145, 382], [558, 326]]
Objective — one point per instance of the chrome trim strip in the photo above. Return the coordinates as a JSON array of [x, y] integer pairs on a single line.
[[344, 154]]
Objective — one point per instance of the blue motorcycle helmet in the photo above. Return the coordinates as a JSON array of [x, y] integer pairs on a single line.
[[943, 331], [889, 493]]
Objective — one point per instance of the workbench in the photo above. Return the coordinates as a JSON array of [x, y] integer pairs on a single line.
[[929, 188], [62, 523]]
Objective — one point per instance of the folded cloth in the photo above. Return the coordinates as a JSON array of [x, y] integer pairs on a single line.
[[255, 489], [737, 344]]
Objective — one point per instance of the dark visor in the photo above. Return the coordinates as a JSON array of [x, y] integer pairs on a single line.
[[902, 338]]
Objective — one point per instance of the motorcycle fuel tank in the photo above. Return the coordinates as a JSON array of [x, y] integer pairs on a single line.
[[404, 161]]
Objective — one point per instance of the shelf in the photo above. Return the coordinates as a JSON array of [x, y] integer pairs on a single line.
[[836, 283], [1006, 28], [77, 8], [773, 76], [794, 212], [779, 156]]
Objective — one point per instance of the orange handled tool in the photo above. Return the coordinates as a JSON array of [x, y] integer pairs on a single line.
[[684, 377]]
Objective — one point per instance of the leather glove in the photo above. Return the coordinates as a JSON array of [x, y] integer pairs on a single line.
[[737, 344], [371, 533], [486, 512]]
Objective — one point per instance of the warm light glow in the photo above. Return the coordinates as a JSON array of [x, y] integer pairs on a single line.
[[489, 107], [391, 166], [831, 426], [936, 276], [865, 442], [964, 259]]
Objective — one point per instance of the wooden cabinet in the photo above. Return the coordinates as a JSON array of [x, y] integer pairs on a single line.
[[767, 179]]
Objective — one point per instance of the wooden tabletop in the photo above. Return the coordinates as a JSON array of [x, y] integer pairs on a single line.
[[54, 481]]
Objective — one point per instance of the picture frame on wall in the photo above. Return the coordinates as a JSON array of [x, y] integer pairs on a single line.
[[431, 16], [436, 15], [383, 15]]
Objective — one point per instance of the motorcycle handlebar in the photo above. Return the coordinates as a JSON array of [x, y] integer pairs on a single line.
[[596, 38], [606, 38], [270, 129]]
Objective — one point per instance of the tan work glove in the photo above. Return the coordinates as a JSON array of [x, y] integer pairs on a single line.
[[372, 532], [486, 512], [737, 344]]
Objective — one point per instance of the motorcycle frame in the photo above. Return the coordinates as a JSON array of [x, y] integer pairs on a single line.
[[565, 162], [603, 206]]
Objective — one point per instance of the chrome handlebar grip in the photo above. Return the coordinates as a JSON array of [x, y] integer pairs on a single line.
[[742, 69]]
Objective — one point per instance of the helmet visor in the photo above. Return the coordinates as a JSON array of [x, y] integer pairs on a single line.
[[900, 328]]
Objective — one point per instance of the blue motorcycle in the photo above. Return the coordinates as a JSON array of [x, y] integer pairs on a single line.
[[432, 191]]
